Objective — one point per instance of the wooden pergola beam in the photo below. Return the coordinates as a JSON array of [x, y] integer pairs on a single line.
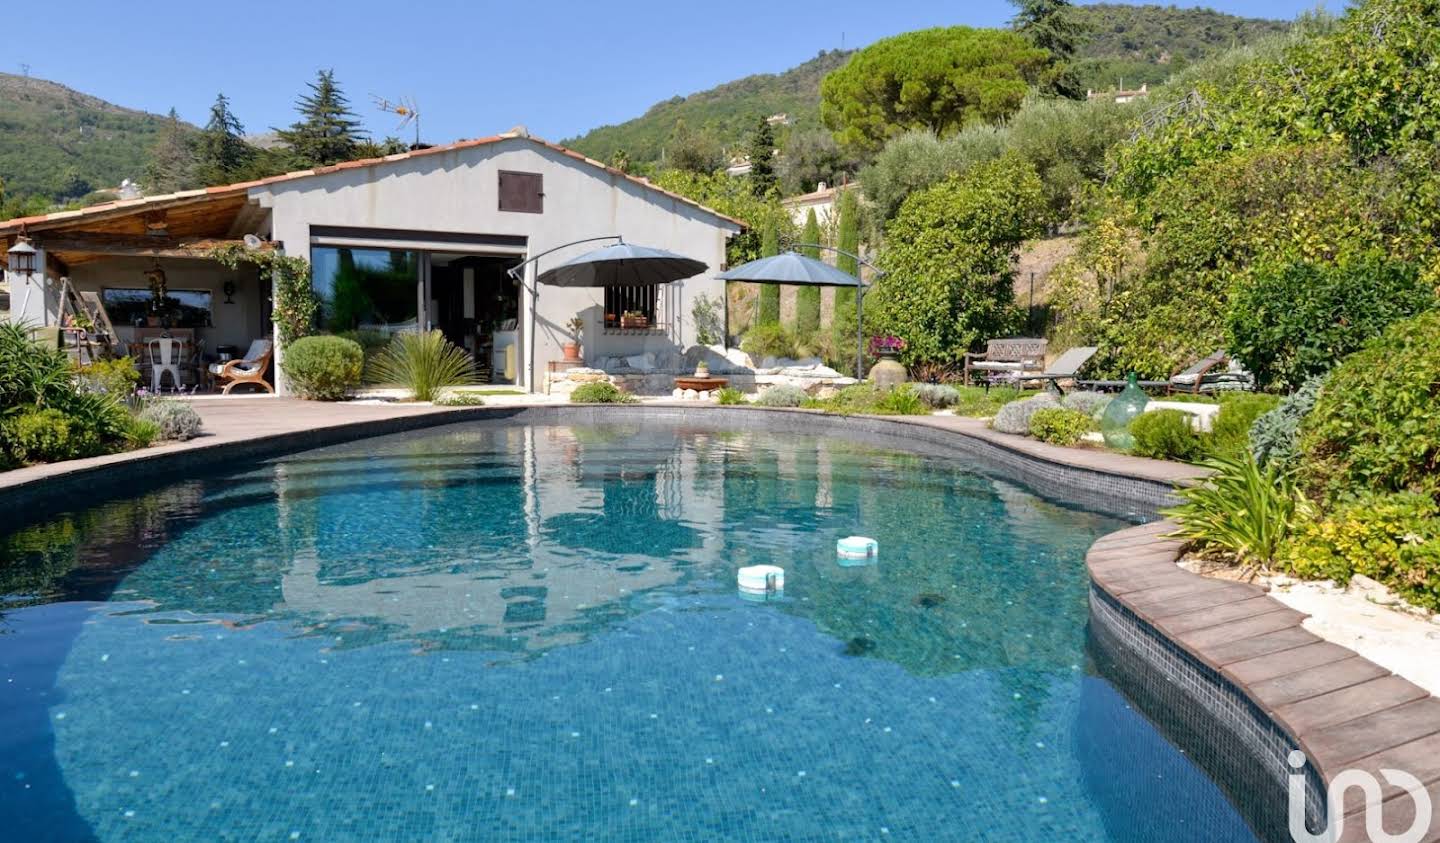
[[83, 243]]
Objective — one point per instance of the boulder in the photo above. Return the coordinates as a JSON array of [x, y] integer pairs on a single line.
[[641, 362], [738, 359], [691, 394]]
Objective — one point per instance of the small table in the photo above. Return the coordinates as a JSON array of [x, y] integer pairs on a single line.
[[701, 384]]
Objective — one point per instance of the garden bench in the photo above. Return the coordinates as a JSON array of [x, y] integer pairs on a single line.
[[1012, 357]]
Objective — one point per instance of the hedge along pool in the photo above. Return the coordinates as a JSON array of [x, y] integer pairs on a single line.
[[494, 631]]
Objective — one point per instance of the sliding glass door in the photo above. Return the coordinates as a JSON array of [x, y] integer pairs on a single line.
[[371, 290]]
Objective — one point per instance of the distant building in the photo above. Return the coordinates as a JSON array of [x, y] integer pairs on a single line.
[[824, 200], [781, 119], [1120, 95], [739, 166]]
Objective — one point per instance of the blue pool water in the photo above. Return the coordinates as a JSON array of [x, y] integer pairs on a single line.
[[507, 632]]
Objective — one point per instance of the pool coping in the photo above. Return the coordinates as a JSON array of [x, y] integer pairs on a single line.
[[1341, 709]]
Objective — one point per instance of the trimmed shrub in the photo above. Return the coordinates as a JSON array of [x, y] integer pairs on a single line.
[[141, 432], [782, 395], [1275, 436], [42, 435], [175, 420], [1060, 426], [1015, 416], [1392, 538], [1376, 424], [1296, 321], [937, 396], [1092, 404], [768, 339], [323, 368], [1166, 435], [901, 401], [1242, 507], [730, 395], [371, 343], [1230, 432], [600, 392], [425, 363]]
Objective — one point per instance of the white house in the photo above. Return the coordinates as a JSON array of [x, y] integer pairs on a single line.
[[422, 239]]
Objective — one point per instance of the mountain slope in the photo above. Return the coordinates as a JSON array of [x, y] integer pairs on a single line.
[[1133, 44], [60, 143], [729, 111]]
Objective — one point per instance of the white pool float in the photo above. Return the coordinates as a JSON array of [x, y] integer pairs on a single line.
[[857, 547], [759, 579]]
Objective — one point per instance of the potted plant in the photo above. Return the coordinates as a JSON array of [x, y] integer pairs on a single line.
[[631, 319], [577, 328], [888, 371], [702, 369]]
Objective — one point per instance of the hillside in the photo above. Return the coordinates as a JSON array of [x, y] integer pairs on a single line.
[[61, 143], [729, 111], [1136, 44], [1146, 44]]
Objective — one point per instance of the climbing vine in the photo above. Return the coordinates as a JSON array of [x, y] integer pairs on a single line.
[[295, 301]]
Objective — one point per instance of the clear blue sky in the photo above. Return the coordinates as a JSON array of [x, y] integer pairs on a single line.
[[475, 68]]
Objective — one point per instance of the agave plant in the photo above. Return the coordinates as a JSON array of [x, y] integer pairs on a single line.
[[1243, 508], [425, 363]]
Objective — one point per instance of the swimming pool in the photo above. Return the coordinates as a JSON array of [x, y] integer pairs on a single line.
[[500, 631]]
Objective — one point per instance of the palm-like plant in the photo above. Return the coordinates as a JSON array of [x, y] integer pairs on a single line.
[[425, 363], [1242, 507]]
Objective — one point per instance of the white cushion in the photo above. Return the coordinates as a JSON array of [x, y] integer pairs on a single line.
[[997, 366]]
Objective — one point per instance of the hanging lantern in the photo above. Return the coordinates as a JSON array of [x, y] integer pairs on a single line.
[[22, 257]]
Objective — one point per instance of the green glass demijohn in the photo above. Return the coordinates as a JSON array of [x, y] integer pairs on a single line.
[[1115, 423]]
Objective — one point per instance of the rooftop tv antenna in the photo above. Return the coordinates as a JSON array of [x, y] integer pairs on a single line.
[[404, 108]]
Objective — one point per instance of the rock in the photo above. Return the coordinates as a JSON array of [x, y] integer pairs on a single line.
[[823, 391], [738, 358], [691, 394], [641, 362], [678, 393], [704, 395]]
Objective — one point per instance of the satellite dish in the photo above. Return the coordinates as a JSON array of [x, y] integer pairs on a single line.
[[253, 242]]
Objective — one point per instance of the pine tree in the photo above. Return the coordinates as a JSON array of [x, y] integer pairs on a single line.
[[172, 159], [762, 158], [222, 154], [327, 131], [769, 293], [1051, 25], [807, 298]]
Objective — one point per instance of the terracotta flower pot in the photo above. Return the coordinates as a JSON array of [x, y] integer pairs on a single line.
[[572, 350], [888, 372]]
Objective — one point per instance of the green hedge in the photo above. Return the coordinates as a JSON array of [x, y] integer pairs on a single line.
[[1166, 435], [323, 368], [1060, 426]]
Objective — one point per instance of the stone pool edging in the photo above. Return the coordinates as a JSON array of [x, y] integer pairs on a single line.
[[1278, 685]]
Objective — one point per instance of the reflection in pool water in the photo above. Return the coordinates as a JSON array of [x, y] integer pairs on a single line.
[[491, 632]]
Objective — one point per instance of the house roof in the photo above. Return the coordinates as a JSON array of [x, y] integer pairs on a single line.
[[167, 200]]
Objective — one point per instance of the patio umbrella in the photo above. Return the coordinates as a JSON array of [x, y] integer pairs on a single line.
[[795, 268], [622, 265]]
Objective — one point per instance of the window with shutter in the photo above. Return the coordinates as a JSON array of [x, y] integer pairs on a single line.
[[522, 192]]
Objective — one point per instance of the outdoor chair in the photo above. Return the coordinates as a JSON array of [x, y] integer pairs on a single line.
[[1204, 377], [1013, 358], [1065, 367], [248, 369], [164, 358]]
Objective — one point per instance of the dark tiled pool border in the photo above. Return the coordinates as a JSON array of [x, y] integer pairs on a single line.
[[1229, 645]]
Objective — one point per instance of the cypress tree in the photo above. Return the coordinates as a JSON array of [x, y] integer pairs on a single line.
[[807, 299], [762, 158], [327, 131], [172, 159], [1051, 25], [769, 293], [848, 240], [222, 154]]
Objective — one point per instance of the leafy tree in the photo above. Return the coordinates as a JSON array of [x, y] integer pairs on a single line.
[[73, 185], [950, 260], [694, 152], [919, 159], [327, 131], [769, 293], [762, 158], [807, 298], [1052, 26], [809, 157], [172, 159], [1296, 321], [222, 155], [937, 79], [732, 197]]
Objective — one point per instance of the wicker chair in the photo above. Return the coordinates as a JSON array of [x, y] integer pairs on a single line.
[[249, 369]]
